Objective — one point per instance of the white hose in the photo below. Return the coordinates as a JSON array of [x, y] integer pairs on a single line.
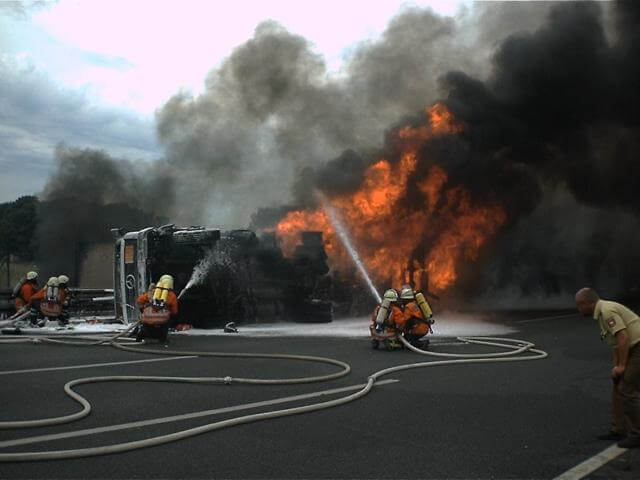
[[515, 346]]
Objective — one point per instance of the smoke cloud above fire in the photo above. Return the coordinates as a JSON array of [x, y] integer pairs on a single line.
[[90, 193], [517, 122]]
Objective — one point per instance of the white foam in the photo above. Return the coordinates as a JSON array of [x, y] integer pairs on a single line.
[[77, 326], [447, 325]]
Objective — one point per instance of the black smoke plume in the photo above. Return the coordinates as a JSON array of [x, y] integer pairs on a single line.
[[90, 193], [552, 134]]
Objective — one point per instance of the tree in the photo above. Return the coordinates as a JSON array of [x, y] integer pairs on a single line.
[[17, 229]]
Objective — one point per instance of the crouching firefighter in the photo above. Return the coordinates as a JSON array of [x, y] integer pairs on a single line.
[[159, 306], [384, 320], [23, 291], [51, 302], [417, 317]]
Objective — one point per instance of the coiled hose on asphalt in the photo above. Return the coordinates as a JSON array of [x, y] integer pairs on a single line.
[[514, 347]]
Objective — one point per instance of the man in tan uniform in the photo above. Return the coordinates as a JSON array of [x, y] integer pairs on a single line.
[[620, 328]]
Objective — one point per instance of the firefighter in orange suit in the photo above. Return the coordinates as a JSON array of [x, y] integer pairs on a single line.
[[414, 325], [162, 297], [64, 297], [25, 290], [385, 320], [55, 292]]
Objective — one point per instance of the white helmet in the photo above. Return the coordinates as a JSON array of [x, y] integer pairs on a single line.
[[52, 282], [391, 294], [63, 279], [406, 292], [32, 275], [166, 281]]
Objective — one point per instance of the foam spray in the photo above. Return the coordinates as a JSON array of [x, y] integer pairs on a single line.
[[200, 270]]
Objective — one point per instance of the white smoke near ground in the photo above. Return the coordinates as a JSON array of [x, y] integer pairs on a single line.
[[448, 324]]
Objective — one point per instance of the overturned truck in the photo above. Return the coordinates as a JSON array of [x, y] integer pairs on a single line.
[[242, 276]]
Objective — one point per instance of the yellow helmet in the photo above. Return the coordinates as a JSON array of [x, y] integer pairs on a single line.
[[32, 275], [166, 281]]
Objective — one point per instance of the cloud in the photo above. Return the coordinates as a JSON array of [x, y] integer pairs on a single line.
[[23, 8], [36, 115]]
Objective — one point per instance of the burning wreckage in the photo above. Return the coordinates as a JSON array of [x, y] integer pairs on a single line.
[[223, 275]]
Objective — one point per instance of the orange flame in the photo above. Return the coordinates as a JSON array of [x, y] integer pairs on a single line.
[[401, 242]]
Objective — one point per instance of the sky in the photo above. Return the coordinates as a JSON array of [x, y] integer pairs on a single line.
[[92, 73]]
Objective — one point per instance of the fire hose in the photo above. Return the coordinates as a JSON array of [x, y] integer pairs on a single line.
[[514, 347]]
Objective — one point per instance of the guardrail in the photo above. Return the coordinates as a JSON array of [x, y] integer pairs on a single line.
[[82, 301]]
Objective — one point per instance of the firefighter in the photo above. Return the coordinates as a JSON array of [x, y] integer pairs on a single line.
[[143, 301], [385, 320], [47, 294], [25, 289], [64, 297], [414, 324], [163, 301]]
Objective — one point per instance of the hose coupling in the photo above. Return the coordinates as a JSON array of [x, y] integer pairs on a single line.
[[227, 380]]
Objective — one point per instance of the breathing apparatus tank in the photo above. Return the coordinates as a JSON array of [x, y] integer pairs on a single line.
[[388, 298], [424, 307], [161, 293], [18, 287], [52, 289]]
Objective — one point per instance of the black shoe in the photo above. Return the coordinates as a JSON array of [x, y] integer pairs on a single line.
[[630, 442], [612, 436]]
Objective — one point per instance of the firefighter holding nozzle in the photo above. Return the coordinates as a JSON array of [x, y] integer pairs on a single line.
[[158, 307], [407, 314]]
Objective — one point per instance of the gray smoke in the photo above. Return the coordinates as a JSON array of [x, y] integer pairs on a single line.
[[90, 193], [272, 110]]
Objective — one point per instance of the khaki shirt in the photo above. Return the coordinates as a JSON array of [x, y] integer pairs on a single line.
[[613, 317]]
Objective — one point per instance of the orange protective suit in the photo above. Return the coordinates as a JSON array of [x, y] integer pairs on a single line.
[[394, 320], [39, 295], [143, 300], [42, 294], [414, 321], [26, 292], [171, 303]]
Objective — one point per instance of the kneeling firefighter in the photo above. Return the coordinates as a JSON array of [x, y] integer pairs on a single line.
[[417, 317], [158, 309], [384, 320], [51, 302], [24, 290]]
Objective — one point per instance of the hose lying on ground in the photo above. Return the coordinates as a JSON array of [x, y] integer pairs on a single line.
[[514, 346]]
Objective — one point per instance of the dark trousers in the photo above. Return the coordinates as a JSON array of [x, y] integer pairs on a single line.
[[155, 332], [625, 400]]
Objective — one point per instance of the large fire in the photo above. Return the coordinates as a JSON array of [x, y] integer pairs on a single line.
[[401, 241]]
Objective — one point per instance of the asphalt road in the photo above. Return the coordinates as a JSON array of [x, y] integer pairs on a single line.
[[511, 420]]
